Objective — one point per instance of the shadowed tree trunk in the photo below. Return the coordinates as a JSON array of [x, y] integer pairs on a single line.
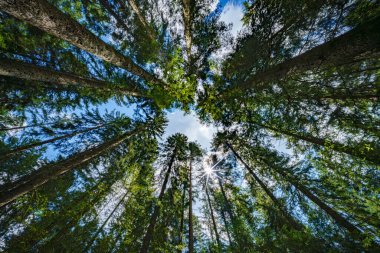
[[213, 219], [187, 13], [226, 226], [226, 201], [339, 219], [93, 238], [18, 69], [45, 16], [37, 144], [360, 43], [12, 191], [182, 218], [141, 18], [292, 222], [372, 155], [74, 221], [23, 127], [153, 219], [119, 21], [191, 232]]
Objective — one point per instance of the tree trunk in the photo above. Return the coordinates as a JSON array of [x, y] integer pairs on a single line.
[[292, 222], [153, 219], [23, 127], [182, 218], [369, 93], [213, 219], [222, 212], [12, 191], [187, 13], [37, 144], [340, 220], [119, 21], [227, 203], [45, 16], [105, 222], [141, 18], [191, 232], [372, 155], [74, 221], [18, 69], [360, 43]]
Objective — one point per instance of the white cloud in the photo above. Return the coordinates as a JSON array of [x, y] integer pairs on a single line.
[[233, 13], [190, 126]]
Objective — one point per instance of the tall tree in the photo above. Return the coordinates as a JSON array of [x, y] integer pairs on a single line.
[[26, 184], [174, 149], [194, 154], [213, 219], [27, 71], [45, 16], [292, 222]]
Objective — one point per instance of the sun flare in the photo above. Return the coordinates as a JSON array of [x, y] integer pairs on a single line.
[[208, 170]]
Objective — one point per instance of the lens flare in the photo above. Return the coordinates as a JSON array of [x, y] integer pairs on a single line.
[[208, 170]]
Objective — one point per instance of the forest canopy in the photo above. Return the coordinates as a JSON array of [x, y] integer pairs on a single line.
[[85, 91]]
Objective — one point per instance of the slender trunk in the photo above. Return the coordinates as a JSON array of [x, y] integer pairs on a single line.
[[370, 93], [339, 219], [372, 155], [45, 16], [226, 201], [191, 232], [292, 222], [226, 226], [105, 222], [23, 127], [74, 221], [12, 191], [141, 18], [360, 43], [37, 144], [18, 69], [95, 190], [213, 219], [187, 13], [182, 218], [120, 22], [153, 219]]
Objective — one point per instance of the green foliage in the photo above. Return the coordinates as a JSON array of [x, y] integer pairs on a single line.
[[295, 161]]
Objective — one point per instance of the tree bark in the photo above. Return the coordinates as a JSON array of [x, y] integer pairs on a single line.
[[187, 13], [111, 11], [93, 238], [362, 42], [18, 69], [182, 218], [340, 220], [37, 144], [72, 222], [292, 222], [370, 155], [141, 18], [45, 16], [153, 219], [12, 191], [213, 219], [23, 127], [191, 232], [227, 203], [222, 212]]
